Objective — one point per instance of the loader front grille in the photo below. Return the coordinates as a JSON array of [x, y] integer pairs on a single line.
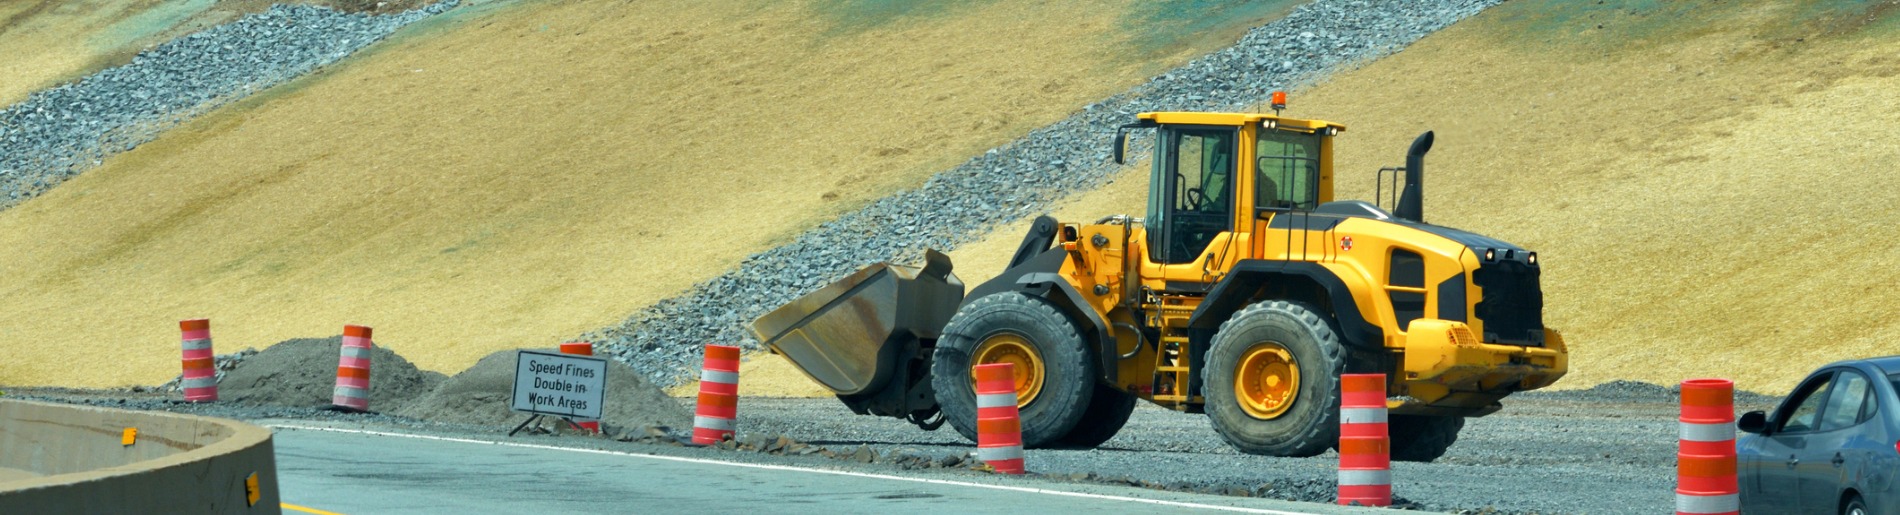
[[1511, 304]]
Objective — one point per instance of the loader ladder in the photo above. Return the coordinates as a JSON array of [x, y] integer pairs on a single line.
[[1172, 363]]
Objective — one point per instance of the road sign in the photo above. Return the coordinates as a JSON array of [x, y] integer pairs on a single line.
[[564, 385]]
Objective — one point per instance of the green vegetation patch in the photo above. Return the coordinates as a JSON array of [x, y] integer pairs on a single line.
[[1166, 26], [149, 23], [848, 17], [1615, 25]]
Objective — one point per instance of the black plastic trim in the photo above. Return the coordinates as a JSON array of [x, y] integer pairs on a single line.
[[1451, 298], [1307, 221], [1041, 276]]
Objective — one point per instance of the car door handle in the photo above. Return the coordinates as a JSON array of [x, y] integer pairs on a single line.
[[1792, 461], [1838, 460]]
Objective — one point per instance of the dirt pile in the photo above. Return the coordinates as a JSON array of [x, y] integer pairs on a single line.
[[302, 373], [480, 395]]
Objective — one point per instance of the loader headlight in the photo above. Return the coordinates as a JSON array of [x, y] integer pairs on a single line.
[[1532, 257], [1490, 254]]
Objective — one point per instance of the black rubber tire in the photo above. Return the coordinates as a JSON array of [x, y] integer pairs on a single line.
[[1068, 378], [1854, 505], [1107, 412], [1311, 425], [1421, 438]]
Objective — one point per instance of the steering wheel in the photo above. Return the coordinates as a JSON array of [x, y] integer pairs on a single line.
[[1197, 198]]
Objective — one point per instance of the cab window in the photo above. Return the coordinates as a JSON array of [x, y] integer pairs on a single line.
[[1193, 201], [1803, 409], [1288, 170]]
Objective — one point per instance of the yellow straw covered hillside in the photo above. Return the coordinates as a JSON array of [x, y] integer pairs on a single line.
[[513, 174]]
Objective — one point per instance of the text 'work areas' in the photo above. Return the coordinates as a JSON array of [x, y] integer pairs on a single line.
[[564, 385]]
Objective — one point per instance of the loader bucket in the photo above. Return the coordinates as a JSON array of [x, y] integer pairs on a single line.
[[848, 335]]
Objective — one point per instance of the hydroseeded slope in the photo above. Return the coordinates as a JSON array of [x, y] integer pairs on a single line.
[[516, 174], [1710, 189], [48, 42]]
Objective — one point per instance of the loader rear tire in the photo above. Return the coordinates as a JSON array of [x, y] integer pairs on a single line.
[[1301, 353], [1421, 438], [1058, 395], [1108, 411]]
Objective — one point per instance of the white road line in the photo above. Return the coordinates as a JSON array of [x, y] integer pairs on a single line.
[[1176, 504]]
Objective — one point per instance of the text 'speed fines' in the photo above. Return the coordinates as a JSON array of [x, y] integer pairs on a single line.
[[559, 384]]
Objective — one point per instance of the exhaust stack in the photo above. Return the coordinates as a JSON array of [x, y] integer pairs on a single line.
[[1409, 207]]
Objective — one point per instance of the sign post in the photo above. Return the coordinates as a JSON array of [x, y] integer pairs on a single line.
[[562, 385]]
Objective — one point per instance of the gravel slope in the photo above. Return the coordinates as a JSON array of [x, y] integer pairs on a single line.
[[61, 132]]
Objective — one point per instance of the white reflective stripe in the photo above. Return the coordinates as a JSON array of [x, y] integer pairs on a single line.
[[995, 400], [718, 376], [1730, 503], [1362, 415], [196, 344], [351, 392], [1719, 432], [715, 423], [199, 382], [1013, 452], [1350, 477], [355, 352]]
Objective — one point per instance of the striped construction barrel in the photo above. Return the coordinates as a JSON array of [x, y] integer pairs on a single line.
[[582, 349], [200, 379], [1705, 461], [1365, 447], [352, 369], [718, 408], [999, 427]]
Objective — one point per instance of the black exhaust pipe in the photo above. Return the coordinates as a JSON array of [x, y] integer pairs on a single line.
[[1409, 207]]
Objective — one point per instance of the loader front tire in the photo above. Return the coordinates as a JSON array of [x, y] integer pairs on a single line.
[[1421, 438], [1108, 411], [1056, 378], [1272, 380]]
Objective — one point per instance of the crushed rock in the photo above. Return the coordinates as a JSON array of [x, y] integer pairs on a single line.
[[302, 373], [481, 395]]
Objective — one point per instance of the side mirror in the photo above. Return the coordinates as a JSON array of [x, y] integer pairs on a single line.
[[1121, 144], [1753, 422]]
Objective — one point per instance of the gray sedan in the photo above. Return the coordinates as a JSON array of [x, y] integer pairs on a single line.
[[1833, 446]]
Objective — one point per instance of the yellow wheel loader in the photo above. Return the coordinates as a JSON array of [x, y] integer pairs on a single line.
[[1244, 293]]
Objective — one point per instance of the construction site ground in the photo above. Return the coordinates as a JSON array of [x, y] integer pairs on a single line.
[[1611, 447]]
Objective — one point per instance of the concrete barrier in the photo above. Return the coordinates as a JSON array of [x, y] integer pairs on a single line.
[[58, 458]]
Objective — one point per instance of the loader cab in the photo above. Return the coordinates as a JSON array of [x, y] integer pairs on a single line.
[[1214, 177]]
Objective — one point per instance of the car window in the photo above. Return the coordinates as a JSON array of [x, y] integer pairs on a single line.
[[1847, 401], [1804, 407]]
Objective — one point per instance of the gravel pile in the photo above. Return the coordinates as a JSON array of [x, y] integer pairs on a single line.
[[301, 373], [58, 133], [481, 396], [223, 363], [1018, 179]]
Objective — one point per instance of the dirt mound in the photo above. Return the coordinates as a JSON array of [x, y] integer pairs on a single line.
[[302, 373], [480, 395]]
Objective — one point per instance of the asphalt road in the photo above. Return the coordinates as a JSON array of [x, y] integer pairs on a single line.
[[353, 471]]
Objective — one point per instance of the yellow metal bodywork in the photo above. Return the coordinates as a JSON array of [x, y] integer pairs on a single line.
[[1440, 368]]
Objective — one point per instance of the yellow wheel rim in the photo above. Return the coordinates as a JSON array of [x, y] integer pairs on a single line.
[[1267, 380], [1013, 349]]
